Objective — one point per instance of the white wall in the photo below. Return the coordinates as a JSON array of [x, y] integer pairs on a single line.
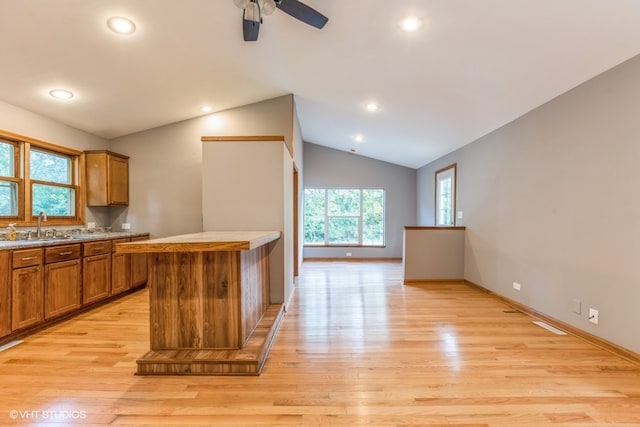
[[550, 201], [325, 167], [248, 186]]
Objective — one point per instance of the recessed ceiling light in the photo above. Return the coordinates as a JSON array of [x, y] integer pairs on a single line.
[[121, 25], [206, 109], [410, 24], [358, 138], [61, 94], [371, 107]]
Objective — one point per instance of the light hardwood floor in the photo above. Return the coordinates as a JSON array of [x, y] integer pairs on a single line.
[[356, 348]]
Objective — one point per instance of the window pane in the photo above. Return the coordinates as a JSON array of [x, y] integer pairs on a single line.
[[446, 205], [6, 159], [8, 198], [445, 196], [53, 200], [373, 217], [343, 230], [50, 167], [314, 214], [343, 202]]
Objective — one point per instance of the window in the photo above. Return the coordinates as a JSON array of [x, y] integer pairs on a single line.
[[37, 176], [344, 217], [52, 189], [445, 191], [8, 179]]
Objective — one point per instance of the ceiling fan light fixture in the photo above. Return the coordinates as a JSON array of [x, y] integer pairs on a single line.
[[252, 12], [241, 3], [268, 6]]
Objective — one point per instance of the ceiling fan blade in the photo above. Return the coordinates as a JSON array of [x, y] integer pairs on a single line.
[[250, 28], [302, 12]]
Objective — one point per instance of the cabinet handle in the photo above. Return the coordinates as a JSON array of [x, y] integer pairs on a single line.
[[98, 248], [28, 258], [65, 253]]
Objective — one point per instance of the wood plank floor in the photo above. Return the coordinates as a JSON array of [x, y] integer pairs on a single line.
[[356, 348]]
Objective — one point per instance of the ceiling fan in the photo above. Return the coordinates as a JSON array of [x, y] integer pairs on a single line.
[[253, 10]]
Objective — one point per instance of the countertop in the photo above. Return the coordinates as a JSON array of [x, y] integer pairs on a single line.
[[76, 238], [202, 242]]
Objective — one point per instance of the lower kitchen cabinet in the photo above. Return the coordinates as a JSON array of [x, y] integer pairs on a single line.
[[120, 270], [5, 293], [42, 284], [139, 265], [62, 288], [27, 300], [96, 278]]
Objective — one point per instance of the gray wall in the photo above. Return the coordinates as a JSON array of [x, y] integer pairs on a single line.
[[326, 167], [551, 201], [166, 164], [23, 122]]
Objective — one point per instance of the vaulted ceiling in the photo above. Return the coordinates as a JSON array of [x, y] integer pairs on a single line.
[[471, 66]]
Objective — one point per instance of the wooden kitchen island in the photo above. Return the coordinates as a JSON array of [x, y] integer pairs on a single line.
[[210, 312]]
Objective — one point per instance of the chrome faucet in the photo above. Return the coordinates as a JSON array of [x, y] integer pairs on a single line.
[[41, 216]]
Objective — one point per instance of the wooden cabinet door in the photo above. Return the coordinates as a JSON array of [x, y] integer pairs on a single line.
[[139, 268], [5, 294], [107, 178], [62, 288], [118, 183], [96, 275], [27, 299], [120, 277]]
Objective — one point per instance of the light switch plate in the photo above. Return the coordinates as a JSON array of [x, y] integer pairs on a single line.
[[126, 226], [459, 214]]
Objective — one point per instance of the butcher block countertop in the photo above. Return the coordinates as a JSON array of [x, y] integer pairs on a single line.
[[202, 242]]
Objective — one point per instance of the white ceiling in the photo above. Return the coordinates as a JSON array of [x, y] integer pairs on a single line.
[[472, 67]]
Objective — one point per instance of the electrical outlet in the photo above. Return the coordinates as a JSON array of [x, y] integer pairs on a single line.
[[348, 253], [91, 225], [126, 226], [516, 286], [593, 316], [459, 214]]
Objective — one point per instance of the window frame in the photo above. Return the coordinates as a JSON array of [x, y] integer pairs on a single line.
[[451, 170], [360, 218], [15, 178], [72, 177], [22, 151]]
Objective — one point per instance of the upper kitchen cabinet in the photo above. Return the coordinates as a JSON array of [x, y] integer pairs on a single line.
[[107, 178]]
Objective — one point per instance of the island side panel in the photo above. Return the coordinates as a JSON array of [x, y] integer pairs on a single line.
[[255, 288], [175, 281], [222, 300]]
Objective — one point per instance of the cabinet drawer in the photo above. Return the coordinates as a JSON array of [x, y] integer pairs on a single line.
[[61, 253], [27, 257], [96, 248], [114, 242]]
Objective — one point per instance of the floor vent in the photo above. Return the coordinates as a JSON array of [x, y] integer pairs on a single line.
[[550, 328], [10, 344]]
